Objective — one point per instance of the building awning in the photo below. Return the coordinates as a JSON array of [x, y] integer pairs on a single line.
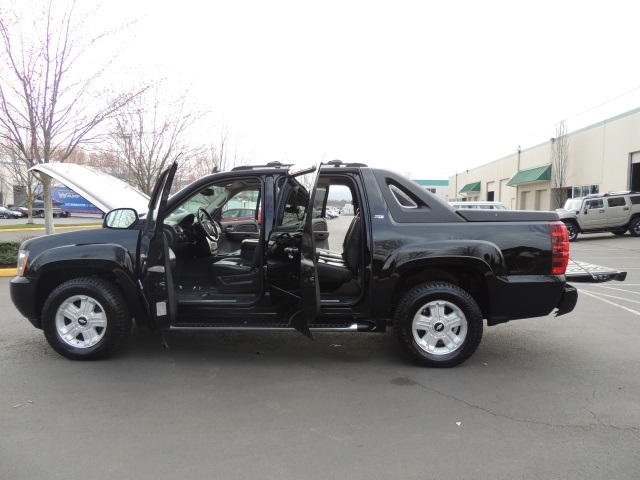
[[471, 187], [537, 174]]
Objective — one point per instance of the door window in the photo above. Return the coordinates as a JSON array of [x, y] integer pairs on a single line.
[[593, 204], [616, 202]]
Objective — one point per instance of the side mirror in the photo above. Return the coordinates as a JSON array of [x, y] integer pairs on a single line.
[[586, 210], [121, 218]]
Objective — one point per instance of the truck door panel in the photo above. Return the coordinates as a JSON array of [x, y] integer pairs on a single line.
[[617, 211], [594, 214]]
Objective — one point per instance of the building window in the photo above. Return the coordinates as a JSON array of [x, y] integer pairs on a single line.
[[432, 190], [584, 190]]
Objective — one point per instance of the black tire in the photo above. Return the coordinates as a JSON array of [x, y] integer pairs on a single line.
[[634, 227], [572, 231], [98, 301], [41, 214], [453, 300], [6, 215]]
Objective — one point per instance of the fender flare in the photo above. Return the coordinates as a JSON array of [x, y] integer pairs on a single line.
[[110, 258], [482, 256]]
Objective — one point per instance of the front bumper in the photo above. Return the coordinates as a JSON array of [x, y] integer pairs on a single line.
[[23, 296]]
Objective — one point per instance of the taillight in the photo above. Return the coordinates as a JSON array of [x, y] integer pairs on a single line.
[[559, 248]]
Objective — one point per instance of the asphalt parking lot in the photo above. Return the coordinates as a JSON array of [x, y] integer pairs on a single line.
[[547, 398]]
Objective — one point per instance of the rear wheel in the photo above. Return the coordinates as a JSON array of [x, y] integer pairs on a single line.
[[634, 227], [572, 231], [438, 324], [86, 318]]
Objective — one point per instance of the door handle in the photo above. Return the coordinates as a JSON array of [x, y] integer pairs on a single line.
[[291, 251], [626, 208], [601, 211]]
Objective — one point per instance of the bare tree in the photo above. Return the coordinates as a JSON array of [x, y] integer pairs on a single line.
[[47, 107], [559, 165], [221, 155], [149, 133]]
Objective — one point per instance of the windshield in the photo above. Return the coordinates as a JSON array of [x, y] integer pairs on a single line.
[[224, 200], [573, 203]]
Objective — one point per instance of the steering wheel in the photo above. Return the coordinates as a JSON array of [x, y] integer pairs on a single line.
[[209, 226]]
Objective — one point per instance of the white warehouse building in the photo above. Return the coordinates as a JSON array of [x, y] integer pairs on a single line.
[[602, 157]]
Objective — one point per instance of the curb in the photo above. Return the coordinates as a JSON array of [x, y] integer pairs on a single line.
[[81, 227], [8, 272]]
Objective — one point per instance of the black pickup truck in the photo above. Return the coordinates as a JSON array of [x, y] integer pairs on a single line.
[[178, 262]]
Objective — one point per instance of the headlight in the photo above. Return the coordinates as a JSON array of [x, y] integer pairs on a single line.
[[23, 256]]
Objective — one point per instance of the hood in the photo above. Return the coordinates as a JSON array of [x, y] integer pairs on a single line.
[[103, 190]]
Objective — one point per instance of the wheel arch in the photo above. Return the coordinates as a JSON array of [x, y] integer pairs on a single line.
[[573, 222], [109, 261], [469, 276]]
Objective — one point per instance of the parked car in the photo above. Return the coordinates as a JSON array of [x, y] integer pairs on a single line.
[[332, 212], [615, 212], [23, 210], [407, 260], [238, 214], [479, 205], [7, 213]]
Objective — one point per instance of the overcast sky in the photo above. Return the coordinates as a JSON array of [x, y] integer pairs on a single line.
[[424, 87]]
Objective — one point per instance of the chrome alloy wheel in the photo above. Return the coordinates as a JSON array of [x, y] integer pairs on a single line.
[[81, 321], [439, 327]]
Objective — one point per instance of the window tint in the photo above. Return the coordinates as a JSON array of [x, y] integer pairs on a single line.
[[295, 208], [616, 202], [592, 204]]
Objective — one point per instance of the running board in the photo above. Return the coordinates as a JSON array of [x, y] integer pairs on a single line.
[[354, 327]]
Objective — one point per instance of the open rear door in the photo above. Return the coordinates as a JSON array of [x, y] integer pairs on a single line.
[[155, 268], [291, 265]]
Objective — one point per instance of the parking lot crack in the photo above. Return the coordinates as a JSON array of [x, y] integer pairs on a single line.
[[530, 422]]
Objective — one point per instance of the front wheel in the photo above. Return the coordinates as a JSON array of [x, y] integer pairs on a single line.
[[86, 318], [6, 215], [572, 231], [438, 324], [634, 227]]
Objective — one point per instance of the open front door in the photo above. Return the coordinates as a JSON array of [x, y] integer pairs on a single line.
[[155, 267], [291, 263]]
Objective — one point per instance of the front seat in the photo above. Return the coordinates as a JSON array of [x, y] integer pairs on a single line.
[[240, 264]]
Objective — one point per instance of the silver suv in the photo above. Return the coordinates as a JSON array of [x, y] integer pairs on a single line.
[[614, 212]]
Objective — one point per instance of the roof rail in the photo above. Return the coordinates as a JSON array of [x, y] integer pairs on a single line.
[[276, 164], [340, 163], [268, 165], [607, 194]]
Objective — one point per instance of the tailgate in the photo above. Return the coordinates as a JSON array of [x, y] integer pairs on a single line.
[[590, 273]]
